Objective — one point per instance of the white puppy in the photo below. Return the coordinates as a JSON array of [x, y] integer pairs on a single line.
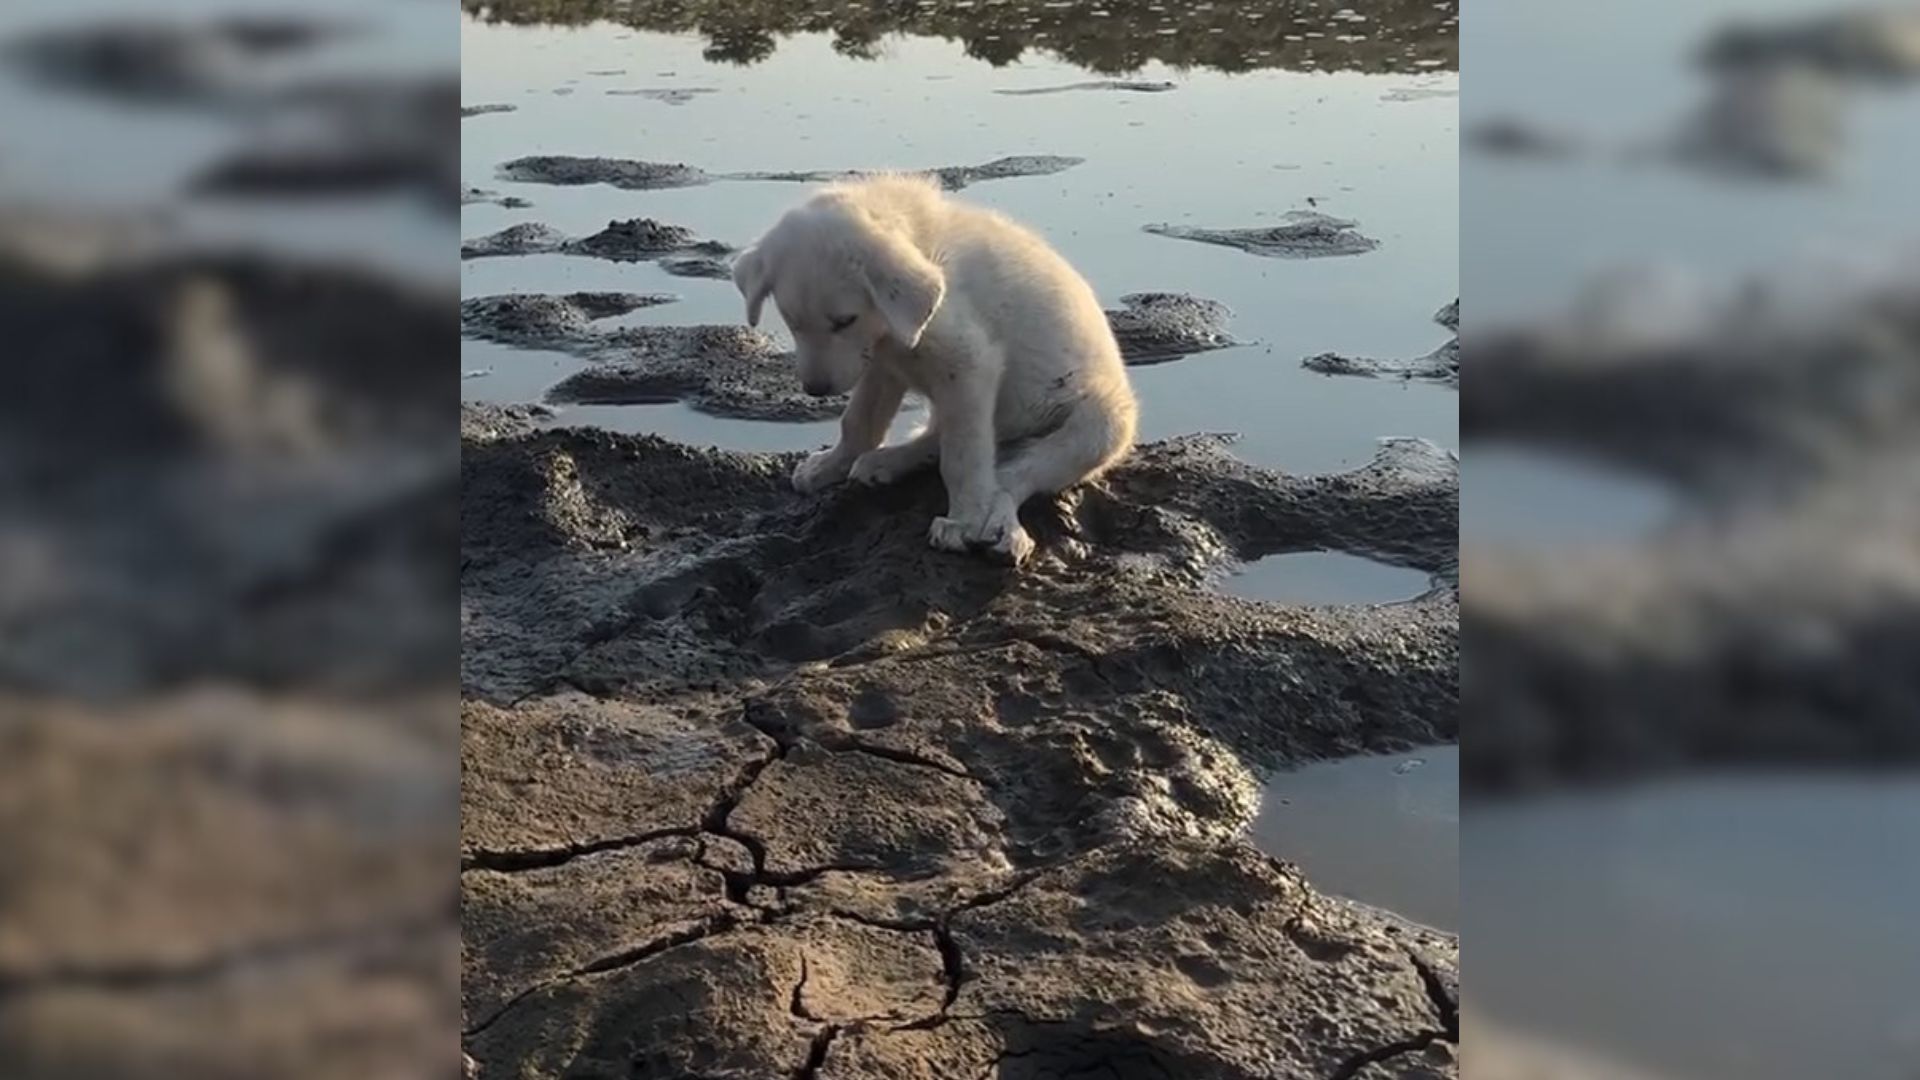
[[888, 285]]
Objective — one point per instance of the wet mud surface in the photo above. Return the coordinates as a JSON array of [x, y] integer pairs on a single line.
[[737, 371], [632, 240], [1306, 235], [1442, 365], [651, 176], [760, 783], [1792, 438]]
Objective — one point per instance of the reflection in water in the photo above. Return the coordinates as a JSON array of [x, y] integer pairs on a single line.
[[1324, 577], [1526, 497], [1383, 829], [1750, 927], [1111, 37]]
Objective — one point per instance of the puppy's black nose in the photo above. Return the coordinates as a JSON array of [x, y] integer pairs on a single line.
[[817, 388]]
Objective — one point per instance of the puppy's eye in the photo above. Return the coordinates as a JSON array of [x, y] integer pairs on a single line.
[[841, 322]]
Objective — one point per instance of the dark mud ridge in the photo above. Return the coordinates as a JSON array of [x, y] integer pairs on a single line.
[[1442, 365], [649, 176], [1137, 86], [740, 372], [634, 240], [1306, 235], [1765, 630], [759, 784], [485, 110], [669, 95], [470, 194]]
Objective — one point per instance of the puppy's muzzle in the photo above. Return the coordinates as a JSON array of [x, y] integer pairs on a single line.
[[818, 387]]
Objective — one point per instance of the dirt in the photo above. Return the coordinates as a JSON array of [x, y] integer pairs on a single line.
[[631, 240], [740, 372], [574, 171], [1761, 627], [862, 808], [1442, 365], [1308, 234], [648, 176], [485, 110]]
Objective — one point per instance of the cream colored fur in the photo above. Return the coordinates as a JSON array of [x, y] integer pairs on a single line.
[[888, 285]]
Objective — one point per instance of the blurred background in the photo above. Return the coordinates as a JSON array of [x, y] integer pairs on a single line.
[[1691, 539], [228, 503]]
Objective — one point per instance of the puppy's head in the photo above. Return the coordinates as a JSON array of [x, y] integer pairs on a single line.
[[845, 281]]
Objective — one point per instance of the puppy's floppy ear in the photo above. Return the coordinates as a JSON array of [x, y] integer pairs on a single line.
[[907, 287], [750, 276]]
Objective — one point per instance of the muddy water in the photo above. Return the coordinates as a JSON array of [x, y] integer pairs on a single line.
[[1218, 150], [1383, 829]]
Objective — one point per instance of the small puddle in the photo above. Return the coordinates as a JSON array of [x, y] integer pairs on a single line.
[[1383, 829], [1514, 496], [1324, 577]]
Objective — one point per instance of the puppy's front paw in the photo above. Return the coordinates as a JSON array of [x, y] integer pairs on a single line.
[[997, 533], [820, 471], [880, 467]]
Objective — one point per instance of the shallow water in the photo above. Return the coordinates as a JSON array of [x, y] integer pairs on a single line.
[[1383, 829], [82, 152], [1519, 497], [1324, 577], [1221, 149], [1757, 927]]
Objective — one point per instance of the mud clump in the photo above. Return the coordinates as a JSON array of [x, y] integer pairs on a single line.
[[485, 110], [1442, 365], [631, 240], [535, 320], [698, 266], [1135, 86], [1153, 328], [570, 171], [900, 809], [667, 95], [722, 370], [1307, 235]]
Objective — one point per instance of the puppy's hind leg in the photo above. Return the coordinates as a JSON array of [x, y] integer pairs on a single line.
[[1095, 434]]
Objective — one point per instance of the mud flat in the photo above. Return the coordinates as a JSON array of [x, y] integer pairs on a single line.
[[760, 782], [631, 240], [1307, 234], [1442, 365], [740, 372]]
